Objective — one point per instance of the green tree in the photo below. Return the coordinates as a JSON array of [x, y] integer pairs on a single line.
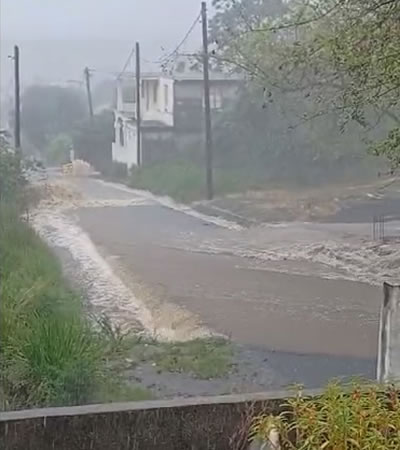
[[329, 57], [285, 124]]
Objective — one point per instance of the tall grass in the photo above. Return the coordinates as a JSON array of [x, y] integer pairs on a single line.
[[363, 417], [49, 353]]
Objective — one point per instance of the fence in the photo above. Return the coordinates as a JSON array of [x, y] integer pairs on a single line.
[[378, 228]]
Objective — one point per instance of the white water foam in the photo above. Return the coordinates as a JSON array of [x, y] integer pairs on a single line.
[[172, 204], [106, 292], [348, 259]]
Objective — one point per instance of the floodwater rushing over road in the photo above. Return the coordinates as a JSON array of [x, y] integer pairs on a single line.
[[149, 263]]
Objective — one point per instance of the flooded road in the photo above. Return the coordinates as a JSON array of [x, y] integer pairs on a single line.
[[257, 304], [294, 293]]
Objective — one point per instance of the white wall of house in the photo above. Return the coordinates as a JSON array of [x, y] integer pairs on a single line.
[[158, 100], [219, 92], [124, 149], [126, 97], [158, 94]]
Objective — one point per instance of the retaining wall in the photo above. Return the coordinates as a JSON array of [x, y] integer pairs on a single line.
[[206, 423]]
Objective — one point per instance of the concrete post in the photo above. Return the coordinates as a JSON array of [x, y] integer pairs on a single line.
[[388, 364]]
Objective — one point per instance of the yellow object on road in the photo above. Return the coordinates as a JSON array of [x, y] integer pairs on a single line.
[[77, 168]]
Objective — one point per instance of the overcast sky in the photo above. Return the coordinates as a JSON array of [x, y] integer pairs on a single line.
[[110, 19], [58, 38]]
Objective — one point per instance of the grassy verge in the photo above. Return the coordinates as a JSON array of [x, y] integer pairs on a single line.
[[201, 358], [50, 354], [185, 181]]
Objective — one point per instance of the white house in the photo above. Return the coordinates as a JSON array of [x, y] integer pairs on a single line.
[[157, 106], [170, 107]]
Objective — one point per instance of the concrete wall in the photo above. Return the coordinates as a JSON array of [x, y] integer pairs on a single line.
[[126, 151], [388, 364], [215, 423]]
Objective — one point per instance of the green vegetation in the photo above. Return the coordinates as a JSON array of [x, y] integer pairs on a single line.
[[58, 149], [11, 178], [323, 83], [185, 181], [364, 417], [50, 353], [202, 358]]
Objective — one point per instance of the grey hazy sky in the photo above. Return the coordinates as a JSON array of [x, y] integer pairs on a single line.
[[58, 38], [111, 19]]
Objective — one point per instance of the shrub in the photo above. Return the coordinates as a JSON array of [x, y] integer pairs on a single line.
[[365, 417], [11, 177], [58, 149], [118, 170]]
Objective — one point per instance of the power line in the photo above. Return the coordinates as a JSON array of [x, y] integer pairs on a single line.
[[167, 58], [162, 60], [127, 63], [106, 72]]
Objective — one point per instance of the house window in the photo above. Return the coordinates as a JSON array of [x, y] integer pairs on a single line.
[[142, 89], [155, 92], [128, 93], [166, 99], [216, 98], [121, 133]]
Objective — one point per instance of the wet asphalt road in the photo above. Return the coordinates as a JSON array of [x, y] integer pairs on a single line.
[[307, 328], [275, 310]]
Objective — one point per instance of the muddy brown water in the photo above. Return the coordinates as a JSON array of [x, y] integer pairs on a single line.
[[287, 319], [275, 310]]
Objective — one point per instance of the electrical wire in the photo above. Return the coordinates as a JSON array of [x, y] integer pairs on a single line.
[[106, 72], [127, 63], [162, 60], [166, 59]]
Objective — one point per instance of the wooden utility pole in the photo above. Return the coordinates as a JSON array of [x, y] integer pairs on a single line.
[[88, 91], [207, 110], [138, 108], [17, 124]]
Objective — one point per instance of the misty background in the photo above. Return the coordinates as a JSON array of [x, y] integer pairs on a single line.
[[58, 39], [266, 137]]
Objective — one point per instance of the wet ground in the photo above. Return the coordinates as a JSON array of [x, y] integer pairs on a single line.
[[255, 370], [288, 296]]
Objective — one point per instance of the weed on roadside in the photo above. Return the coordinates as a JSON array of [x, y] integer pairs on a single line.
[[202, 358], [341, 418]]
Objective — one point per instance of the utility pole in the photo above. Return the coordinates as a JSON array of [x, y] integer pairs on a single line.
[[210, 188], [17, 124], [88, 91], [138, 108]]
